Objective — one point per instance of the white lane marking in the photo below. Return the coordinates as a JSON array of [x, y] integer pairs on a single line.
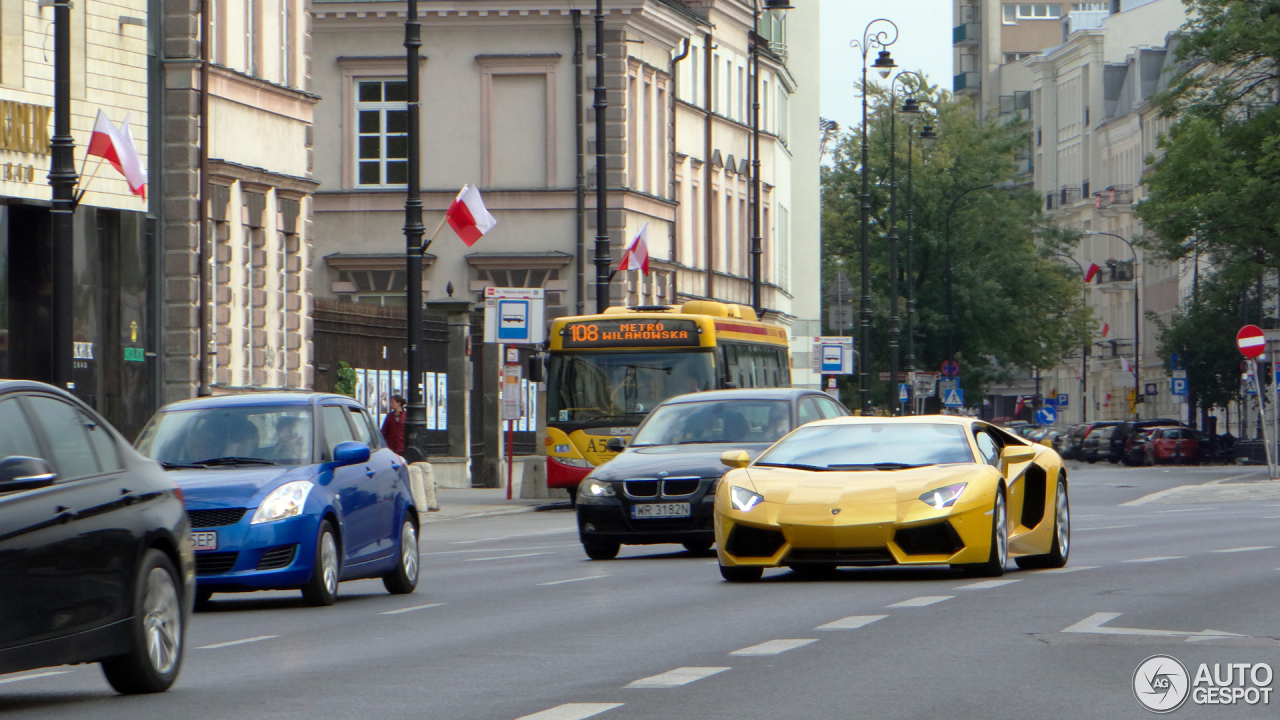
[[238, 642], [1271, 517], [1158, 558], [987, 584], [1065, 570], [562, 582], [1108, 527], [853, 622], [1079, 517], [572, 711], [512, 537], [1095, 622], [1245, 549], [505, 557], [490, 550], [677, 677], [921, 601], [1185, 510], [773, 647], [33, 677], [411, 609]]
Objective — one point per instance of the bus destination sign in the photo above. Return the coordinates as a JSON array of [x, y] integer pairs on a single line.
[[630, 333]]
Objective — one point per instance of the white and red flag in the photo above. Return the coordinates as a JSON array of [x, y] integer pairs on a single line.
[[1105, 329], [116, 146], [1091, 272], [637, 255], [1124, 363], [468, 216]]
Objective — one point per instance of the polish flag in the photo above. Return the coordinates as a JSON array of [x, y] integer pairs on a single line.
[[116, 146], [1091, 272], [1124, 363], [1105, 329], [468, 216], [1018, 408], [637, 255], [1108, 402]]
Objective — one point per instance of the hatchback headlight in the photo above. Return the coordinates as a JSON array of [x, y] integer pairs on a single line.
[[285, 501], [943, 497], [743, 499], [591, 489]]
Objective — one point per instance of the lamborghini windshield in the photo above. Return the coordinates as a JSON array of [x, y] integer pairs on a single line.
[[870, 446]]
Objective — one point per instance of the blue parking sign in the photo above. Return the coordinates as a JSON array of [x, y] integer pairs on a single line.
[[1063, 399], [1178, 386]]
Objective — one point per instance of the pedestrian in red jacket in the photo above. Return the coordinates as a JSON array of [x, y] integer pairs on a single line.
[[393, 425]]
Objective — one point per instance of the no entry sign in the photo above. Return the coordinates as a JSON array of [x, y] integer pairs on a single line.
[[1251, 341]]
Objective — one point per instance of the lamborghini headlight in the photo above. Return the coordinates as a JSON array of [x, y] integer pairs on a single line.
[[743, 499], [943, 497], [592, 489], [285, 501]]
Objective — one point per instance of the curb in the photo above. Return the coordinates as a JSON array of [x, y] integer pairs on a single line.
[[435, 518]]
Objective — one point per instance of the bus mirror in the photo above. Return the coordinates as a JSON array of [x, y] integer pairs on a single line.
[[537, 370], [616, 445]]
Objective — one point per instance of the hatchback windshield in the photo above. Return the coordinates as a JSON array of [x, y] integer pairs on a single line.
[[872, 446], [230, 435], [716, 422]]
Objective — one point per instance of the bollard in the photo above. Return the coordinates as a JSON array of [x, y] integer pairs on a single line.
[[416, 485], [430, 502]]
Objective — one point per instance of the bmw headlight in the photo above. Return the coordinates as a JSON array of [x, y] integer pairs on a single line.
[[285, 501], [943, 497], [743, 499], [593, 489]]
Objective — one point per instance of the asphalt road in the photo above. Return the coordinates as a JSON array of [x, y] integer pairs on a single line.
[[512, 621]]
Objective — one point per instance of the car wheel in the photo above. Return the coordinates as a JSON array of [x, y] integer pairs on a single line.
[[1092, 460], [322, 588], [741, 574], [1060, 550], [158, 633], [698, 547], [999, 555], [404, 579], [601, 550]]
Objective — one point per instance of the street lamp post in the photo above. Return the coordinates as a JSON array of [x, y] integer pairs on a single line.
[[62, 178], [951, 309], [757, 246], [603, 258], [1084, 351], [415, 421], [927, 136], [910, 107], [1137, 334], [884, 65]]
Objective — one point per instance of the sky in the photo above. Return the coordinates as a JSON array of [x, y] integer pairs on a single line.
[[924, 45]]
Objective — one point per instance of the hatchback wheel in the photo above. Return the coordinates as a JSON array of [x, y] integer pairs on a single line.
[[322, 588], [153, 663], [404, 579]]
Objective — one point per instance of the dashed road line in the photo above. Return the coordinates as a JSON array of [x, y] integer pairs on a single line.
[[1158, 558], [572, 580], [505, 557], [238, 642], [513, 537], [489, 550], [1184, 510], [1108, 527], [773, 647], [1245, 549], [1065, 570], [411, 609], [51, 673], [853, 622], [987, 584], [572, 711], [921, 601], [677, 677]]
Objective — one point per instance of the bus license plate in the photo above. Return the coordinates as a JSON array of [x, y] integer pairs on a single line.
[[660, 510], [205, 540]]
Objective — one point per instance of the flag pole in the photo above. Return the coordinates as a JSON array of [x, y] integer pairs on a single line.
[[84, 188]]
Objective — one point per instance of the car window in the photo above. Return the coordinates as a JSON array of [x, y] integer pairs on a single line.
[[365, 431], [830, 408], [987, 447], [809, 410], [66, 429], [16, 437], [104, 446], [336, 427]]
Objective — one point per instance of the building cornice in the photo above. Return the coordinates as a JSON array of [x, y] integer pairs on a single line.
[[264, 179]]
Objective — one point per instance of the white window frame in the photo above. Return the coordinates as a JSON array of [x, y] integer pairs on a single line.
[[382, 107]]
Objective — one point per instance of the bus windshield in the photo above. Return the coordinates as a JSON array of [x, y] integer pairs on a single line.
[[621, 385]]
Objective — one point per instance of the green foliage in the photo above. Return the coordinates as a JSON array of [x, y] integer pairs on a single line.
[[1212, 360], [346, 384], [1016, 306]]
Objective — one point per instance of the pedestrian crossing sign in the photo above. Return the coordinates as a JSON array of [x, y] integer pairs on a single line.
[[953, 397]]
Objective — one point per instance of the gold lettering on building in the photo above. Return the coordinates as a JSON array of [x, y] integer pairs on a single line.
[[24, 127]]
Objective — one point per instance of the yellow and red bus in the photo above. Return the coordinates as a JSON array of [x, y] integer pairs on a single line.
[[606, 372]]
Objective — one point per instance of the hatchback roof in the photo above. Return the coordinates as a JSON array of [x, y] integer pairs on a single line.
[[251, 400], [744, 394]]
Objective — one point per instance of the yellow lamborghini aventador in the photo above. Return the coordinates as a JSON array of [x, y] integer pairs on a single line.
[[921, 490]]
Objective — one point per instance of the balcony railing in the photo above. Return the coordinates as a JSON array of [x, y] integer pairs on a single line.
[[966, 82], [1069, 195], [1116, 271], [1119, 195]]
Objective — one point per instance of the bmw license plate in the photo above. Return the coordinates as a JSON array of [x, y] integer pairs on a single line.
[[205, 540], [660, 510]]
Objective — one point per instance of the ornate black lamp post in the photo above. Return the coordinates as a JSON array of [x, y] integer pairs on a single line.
[[910, 107], [927, 136], [415, 422], [757, 248]]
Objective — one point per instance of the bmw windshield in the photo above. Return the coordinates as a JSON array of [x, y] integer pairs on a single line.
[[870, 446], [229, 436], [724, 421]]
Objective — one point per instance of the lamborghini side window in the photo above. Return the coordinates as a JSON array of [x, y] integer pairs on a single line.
[[987, 448]]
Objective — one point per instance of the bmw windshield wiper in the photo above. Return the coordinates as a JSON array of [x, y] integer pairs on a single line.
[[214, 462], [177, 466], [877, 466], [794, 466]]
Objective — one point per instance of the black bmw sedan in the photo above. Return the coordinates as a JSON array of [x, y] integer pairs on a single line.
[[661, 489], [96, 561]]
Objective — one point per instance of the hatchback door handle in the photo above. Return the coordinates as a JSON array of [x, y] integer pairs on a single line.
[[368, 472]]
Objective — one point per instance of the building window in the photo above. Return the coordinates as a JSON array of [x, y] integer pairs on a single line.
[[1090, 6], [382, 121], [1031, 11], [376, 287], [1016, 56]]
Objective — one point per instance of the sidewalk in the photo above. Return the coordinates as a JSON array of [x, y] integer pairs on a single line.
[[456, 504]]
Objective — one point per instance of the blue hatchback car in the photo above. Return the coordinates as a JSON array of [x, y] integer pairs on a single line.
[[287, 491]]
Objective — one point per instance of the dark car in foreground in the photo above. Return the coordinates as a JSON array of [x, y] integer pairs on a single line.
[[96, 562], [288, 491], [662, 487]]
